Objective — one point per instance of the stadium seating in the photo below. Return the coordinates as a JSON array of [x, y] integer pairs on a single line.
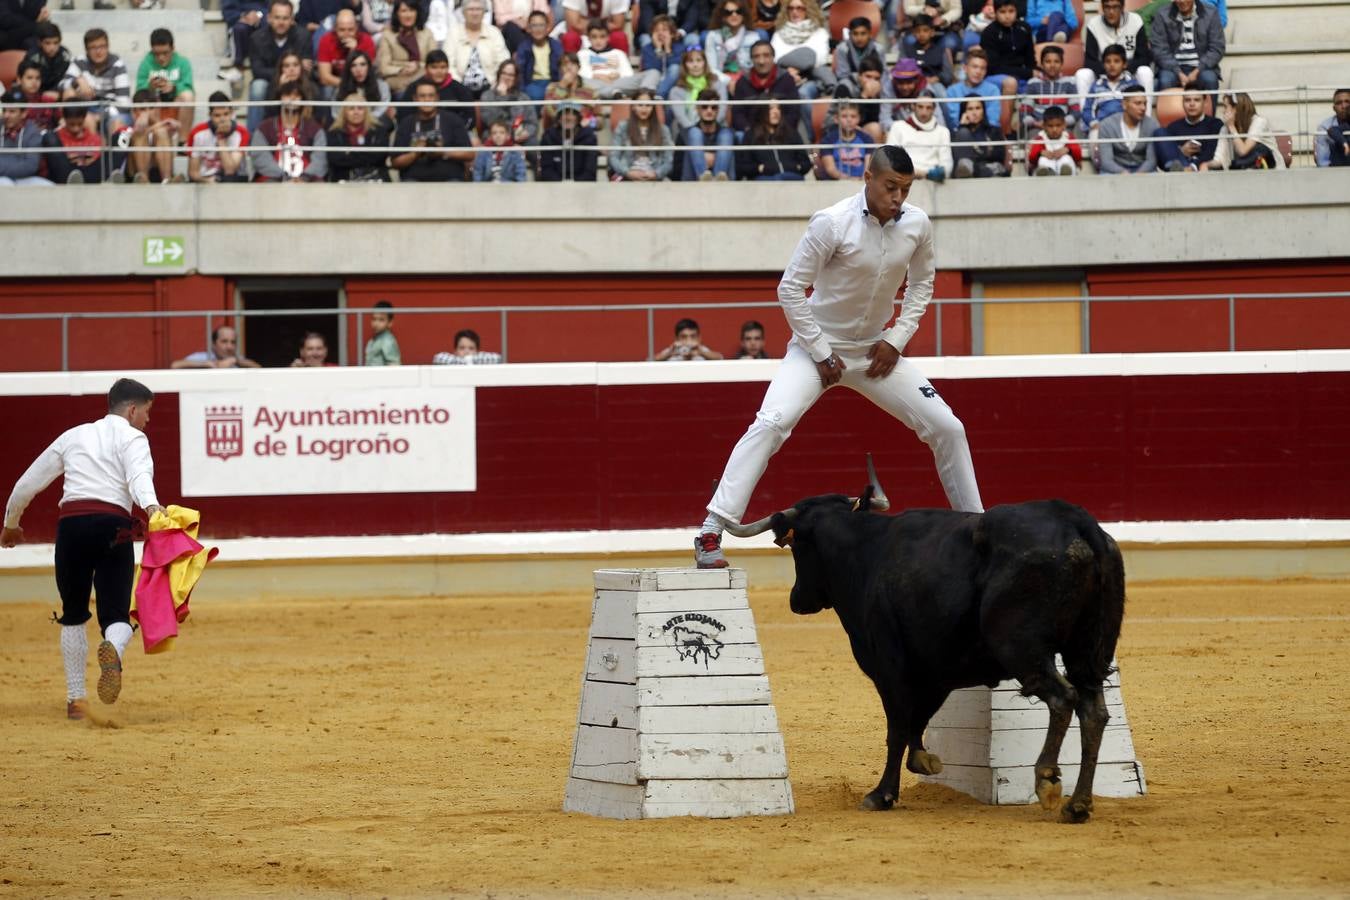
[[9, 66]]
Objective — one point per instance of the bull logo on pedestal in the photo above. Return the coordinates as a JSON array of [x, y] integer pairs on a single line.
[[695, 636]]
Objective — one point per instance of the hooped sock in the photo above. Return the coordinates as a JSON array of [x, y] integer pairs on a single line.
[[75, 655]]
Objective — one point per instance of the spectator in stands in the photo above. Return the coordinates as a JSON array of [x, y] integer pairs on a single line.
[[764, 80], [441, 139], [1051, 20], [1010, 47], [19, 20], [1104, 99], [1115, 28], [975, 85], [17, 133], [945, 16], [448, 90], [299, 140], [765, 162], [318, 17], [467, 352], [169, 74], [979, 19], [641, 143], [539, 58], [662, 54], [281, 36], [154, 137], [335, 47], [358, 143], [906, 83], [1333, 133], [42, 112], [404, 46], [1054, 152], [216, 147], [359, 78], [850, 54], [103, 80], [606, 70], [1188, 43], [476, 49], [688, 345], [752, 341], [846, 156], [569, 87], [764, 16], [313, 352], [82, 158], [503, 163], [520, 119], [1195, 137], [801, 45], [575, 158], [243, 18], [933, 56], [53, 61], [1049, 87], [375, 16], [1125, 148], [223, 353], [729, 40], [926, 139], [979, 150], [512, 19], [871, 85], [1246, 140], [577, 18], [702, 164], [693, 80], [382, 348]]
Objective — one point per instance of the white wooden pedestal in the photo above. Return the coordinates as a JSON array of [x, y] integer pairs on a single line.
[[988, 740], [675, 716]]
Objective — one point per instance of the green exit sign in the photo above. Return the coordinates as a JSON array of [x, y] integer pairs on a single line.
[[162, 251]]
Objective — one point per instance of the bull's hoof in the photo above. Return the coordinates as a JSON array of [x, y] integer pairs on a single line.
[[1049, 791], [876, 802], [921, 762], [1075, 812]]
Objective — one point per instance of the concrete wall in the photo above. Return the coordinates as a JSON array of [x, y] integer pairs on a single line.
[[350, 229]]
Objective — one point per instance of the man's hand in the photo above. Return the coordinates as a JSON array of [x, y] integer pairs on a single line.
[[830, 370], [883, 357], [152, 509], [12, 537]]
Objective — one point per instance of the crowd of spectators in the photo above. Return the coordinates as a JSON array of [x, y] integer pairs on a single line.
[[382, 349], [527, 85]]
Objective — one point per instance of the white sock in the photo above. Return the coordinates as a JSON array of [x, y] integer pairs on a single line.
[[75, 654], [119, 635], [713, 523]]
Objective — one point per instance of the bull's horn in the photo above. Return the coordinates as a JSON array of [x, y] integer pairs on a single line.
[[879, 500], [759, 527]]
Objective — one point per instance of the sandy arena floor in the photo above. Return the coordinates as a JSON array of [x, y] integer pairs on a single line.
[[420, 748]]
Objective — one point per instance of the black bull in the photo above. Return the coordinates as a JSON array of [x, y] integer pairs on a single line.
[[935, 600]]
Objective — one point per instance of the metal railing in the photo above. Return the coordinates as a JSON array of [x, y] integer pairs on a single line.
[[213, 318]]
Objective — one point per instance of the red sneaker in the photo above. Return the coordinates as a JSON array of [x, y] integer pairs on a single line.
[[708, 551]]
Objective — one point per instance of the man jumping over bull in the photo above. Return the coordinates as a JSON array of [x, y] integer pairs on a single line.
[[855, 254]]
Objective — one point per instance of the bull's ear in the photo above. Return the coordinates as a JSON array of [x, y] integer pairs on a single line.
[[783, 532]]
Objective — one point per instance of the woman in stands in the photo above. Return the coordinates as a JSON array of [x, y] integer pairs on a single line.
[[291, 67], [520, 117], [642, 143], [359, 78], [1245, 141], [694, 77], [984, 153], [358, 143], [770, 164], [730, 39], [404, 45], [801, 44]]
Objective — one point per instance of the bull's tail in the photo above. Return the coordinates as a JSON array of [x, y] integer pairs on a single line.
[[1098, 626]]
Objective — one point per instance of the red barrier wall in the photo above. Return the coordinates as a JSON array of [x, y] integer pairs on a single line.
[[644, 456]]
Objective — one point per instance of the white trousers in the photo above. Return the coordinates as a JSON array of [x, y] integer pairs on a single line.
[[905, 394]]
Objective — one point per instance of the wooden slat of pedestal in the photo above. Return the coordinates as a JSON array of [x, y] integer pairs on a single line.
[[713, 799]]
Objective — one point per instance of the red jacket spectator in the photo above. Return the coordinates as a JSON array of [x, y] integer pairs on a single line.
[[333, 53]]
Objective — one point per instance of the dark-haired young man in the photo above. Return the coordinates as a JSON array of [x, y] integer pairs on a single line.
[[854, 256], [169, 74], [688, 345], [52, 60], [298, 139], [108, 469], [103, 79], [752, 341]]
